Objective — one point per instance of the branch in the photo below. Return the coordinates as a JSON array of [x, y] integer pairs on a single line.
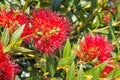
[[114, 24]]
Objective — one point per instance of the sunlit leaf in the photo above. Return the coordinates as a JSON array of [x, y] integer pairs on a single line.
[[16, 35], [71, 73]]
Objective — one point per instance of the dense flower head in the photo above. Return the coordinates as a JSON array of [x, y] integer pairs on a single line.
[[11, 19], [7, 67], [51, 30], [6, 17], [93, 46]]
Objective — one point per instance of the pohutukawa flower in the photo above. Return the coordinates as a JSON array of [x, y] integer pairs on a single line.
[[6, 17], [11, 19], [8, 68], [94, 46], [51, 30]]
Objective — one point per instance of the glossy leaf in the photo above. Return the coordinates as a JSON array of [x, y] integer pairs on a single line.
[[96, 74], [5, 37], [16, 35], [71, 73], [80, 73], [67, 49], [51, 65]]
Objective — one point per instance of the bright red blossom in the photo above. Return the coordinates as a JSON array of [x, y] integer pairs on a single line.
[[12, 19], [96, 46], [106, 71], [7, 67], [50, 29], [6, 18], [93, 46]]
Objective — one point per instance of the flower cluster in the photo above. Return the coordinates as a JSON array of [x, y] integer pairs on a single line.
[[95, 46], [47, 29], [12, 19], [51, 30], [7, 67]]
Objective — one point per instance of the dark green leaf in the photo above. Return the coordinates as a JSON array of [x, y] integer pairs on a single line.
[[76, 2], [51, 65], [94, 3], [56, 5]]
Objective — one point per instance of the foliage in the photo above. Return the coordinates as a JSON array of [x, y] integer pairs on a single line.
[[92, 17]]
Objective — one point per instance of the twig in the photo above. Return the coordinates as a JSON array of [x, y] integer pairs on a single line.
[[90, 18], [26, 5], [114, 24]]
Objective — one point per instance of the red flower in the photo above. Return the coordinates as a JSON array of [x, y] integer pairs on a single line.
[[93, 46], [7, 67], [12, 19], [21, 18], [114, 10], [6, 18], [51, 30], [106, 18], [106, 71]]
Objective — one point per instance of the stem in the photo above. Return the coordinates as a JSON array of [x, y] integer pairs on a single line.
[[113, 35], [90, 18], [26, 5], [114, 24]]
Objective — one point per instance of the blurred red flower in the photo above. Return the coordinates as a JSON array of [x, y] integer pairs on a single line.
[[51, 30], [12, 19], [106, 17], [7, 67], [6, 18], [93, 46], [96, 46], [106, 70]]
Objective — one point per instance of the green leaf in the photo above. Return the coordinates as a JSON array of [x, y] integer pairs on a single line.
[[21, 49], [100, 66], [76, 2], [94, 3], [56, 4], [71, 72], [16, 35], [17, 43], [71, 57], [5, 37], [115, 73], [80, 73], [58, 79], [8, 48], [67, 49], [96, 74], [65, 61], [51, 65]]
